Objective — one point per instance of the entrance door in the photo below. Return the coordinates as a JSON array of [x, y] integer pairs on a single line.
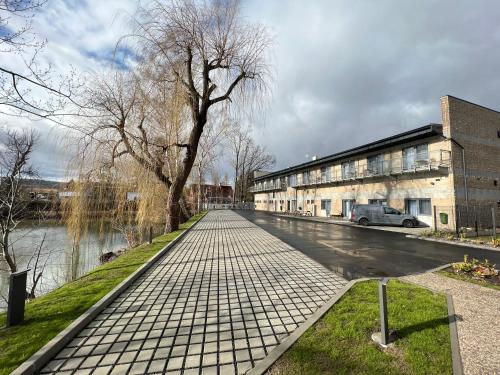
[[347, 207], [326, 204]]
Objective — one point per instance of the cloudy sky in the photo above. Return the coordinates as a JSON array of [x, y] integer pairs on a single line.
[[346, 72]]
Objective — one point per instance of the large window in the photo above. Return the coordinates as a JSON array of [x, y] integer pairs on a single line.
[[292, 180], [376, 164], [306, 177], [325, 174], [419, 207], [348, 170], [416, 157]]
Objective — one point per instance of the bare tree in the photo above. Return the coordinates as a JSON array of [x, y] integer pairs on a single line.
[[27, 87], [208, 153], [256, 158], [239, 139], [195, 56], [16, 149]]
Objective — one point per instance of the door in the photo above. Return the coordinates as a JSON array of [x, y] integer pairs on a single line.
[[412, 207], [326, 204], [347, 207]]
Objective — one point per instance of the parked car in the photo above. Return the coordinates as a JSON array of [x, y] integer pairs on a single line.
[[366, 214]]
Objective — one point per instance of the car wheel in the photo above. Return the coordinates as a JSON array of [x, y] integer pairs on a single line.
[[408, 224], [364, 221]]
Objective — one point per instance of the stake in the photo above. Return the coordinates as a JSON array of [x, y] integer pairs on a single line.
[[382, 297]]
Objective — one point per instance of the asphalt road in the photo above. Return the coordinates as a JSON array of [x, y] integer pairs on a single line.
[[355, 252]]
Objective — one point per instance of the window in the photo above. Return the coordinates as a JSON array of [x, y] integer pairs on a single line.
[[376, 164], [415, 157], [348, 169], [325, 174], [418, 207], [306, 177], [424, 207], [382, 202], [391, 211], [292, 180]]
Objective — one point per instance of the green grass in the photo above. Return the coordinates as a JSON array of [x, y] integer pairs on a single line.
[[48, 315], [469, 279], [340, 342]]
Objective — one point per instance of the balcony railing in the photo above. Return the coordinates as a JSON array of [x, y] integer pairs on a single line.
[[439, 160], [270, 186]]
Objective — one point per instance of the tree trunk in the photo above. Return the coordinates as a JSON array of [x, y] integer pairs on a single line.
[[173, 213], [8, 258]]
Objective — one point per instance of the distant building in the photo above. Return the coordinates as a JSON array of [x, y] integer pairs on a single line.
[[453, 166], [211, 194]]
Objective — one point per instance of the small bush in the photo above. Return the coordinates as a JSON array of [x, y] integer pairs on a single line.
[[475, 268]]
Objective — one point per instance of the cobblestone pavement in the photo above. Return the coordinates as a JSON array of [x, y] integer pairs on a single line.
[[217, 303], [478, 323]]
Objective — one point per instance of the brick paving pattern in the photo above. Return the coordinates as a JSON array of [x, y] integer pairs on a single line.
[[217, 303]]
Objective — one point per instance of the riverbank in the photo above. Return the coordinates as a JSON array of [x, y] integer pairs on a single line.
[[48, 315]]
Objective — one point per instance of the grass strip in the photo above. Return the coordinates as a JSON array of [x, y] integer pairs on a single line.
[[340, 342], [51, 313]]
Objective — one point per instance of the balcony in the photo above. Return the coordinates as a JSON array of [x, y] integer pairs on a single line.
[[439, 160], [270, 186]]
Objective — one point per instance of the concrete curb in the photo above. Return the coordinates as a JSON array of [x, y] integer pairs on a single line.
[[457, 243], [277, 352], [267, 362], [49, 350], [344, 224], [456, 358]]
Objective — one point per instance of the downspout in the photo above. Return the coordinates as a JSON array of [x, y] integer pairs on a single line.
[[465, 174]]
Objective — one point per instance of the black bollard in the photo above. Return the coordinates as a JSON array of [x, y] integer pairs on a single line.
[[17, 298]]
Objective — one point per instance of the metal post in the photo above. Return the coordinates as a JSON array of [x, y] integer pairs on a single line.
[[17, 298], [435, 220], [494, 222], [150, 234], [382, 297]]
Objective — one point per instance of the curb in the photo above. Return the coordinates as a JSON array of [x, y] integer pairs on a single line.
[[456, 243], [351, 225], [456, 358], [48, 351], [277, 352]]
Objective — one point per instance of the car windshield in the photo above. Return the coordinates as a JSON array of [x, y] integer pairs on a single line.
[[391, 211]]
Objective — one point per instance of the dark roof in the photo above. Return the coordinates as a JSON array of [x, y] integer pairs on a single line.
[[411, 135]]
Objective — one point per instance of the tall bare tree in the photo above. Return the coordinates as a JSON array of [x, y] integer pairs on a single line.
[[195, 57], [16, 148]]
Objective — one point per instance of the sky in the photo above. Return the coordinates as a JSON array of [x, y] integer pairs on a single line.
[[345, 72]]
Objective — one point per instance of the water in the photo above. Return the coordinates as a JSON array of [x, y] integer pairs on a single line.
[[63, 261]]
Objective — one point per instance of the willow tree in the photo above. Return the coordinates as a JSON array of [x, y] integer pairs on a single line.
[[192, 57]]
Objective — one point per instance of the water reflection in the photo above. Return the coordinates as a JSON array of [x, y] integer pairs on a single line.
[[64, 261]]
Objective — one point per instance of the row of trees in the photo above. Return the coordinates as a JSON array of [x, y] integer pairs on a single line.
[[199, 71]]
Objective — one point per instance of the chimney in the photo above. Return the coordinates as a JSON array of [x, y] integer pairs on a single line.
[[314, 157]]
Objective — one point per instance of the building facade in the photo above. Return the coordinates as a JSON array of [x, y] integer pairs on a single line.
[[452, 166]]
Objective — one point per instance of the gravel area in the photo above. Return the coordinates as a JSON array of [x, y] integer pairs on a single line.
[[478, 320]]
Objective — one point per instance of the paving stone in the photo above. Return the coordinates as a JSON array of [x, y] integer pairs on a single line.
[[227, 285]]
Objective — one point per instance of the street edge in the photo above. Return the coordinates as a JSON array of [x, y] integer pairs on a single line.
[[457, 243], [49, 350], [456, 358]]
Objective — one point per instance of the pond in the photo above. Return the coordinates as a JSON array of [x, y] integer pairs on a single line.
[[63, 261]]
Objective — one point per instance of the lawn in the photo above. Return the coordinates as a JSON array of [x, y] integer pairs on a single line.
[[48, 315], [340, 343]]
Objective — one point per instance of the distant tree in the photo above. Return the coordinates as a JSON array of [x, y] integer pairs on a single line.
[[246, 158], [16, 149], [27, 89]]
